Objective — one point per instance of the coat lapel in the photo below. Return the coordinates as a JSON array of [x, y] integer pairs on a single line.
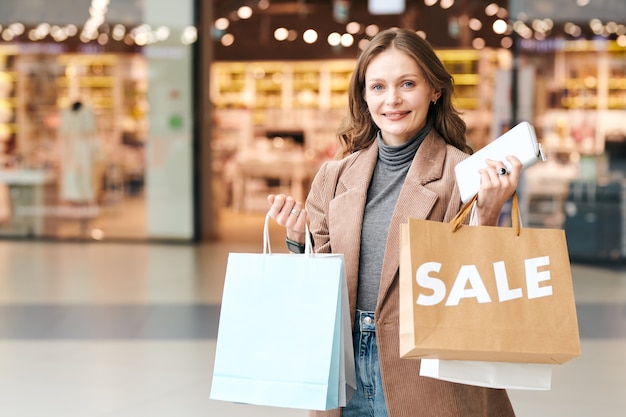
[[346, 213]]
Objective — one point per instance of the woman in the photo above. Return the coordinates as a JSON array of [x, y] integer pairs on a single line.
[[400, 143]]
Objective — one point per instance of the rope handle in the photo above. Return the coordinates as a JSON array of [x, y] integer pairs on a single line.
[[267, 247], [460, 217]]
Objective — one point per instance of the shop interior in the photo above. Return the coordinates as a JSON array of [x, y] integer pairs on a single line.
[[571, 80], [277, 97], [42, 90]]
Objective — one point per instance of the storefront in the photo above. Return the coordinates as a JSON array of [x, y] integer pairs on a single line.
[[96, 120], [202, 108]]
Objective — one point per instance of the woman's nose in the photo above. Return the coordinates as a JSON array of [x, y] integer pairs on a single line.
[[393, 96]]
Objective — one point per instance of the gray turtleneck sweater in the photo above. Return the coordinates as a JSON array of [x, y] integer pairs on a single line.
[[389, 174]]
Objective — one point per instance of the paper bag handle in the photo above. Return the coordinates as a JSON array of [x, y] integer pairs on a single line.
[[460, 217], [267, 247]]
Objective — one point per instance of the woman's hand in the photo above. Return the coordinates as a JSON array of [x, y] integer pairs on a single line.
[[289, 213], [497, 185]]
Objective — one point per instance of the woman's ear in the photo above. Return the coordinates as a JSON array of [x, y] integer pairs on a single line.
[[436, 95]]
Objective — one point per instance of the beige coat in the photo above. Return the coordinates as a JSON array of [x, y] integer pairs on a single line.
[[335, 208]]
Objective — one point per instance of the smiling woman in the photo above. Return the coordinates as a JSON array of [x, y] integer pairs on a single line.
[[400, 141]]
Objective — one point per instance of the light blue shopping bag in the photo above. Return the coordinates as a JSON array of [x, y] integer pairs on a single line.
[[284, 335]]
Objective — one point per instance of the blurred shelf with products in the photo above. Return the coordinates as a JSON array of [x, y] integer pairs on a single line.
[[259, 107], [35, 90], [579, 109], [585, 99], [8, 102], [281, 84]]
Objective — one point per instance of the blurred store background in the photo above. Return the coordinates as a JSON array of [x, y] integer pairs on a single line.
[[202, 108]]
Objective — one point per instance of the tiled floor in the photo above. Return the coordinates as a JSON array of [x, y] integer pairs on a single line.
[[128, 330]]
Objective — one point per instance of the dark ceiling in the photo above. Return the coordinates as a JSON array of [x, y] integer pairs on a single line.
[[254, 37]]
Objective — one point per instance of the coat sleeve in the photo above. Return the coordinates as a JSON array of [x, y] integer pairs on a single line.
[[318, 200], [454, 205]]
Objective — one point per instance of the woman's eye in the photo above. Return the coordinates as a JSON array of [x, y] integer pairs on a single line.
[[408, 84], [377, 87]]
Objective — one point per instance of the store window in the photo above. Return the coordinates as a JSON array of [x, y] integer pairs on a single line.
[[96, 120]]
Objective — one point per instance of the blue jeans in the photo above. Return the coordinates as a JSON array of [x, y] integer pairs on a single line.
[[369, 399]]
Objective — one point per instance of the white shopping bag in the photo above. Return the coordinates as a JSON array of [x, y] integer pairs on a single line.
[[504, 375]]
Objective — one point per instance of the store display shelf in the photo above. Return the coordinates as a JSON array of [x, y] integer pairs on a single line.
[[466, 102], [466, 79], [339, 85], [617, 84], [324, 84], [8, 128], [8, 102], [7, 76], [587, 83], [339, 101], [93, 81], [617, 103], [26, 176], [582, 102], [77, 59]]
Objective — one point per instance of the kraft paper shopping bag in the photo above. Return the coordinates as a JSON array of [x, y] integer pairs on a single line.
[[483, 293], [284, 336]]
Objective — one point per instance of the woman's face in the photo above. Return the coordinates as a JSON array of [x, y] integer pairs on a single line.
[[397, 95]]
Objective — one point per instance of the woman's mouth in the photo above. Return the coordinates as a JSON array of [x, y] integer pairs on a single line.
[[395, 115]]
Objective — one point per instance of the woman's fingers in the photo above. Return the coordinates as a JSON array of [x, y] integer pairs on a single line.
[[289, 213]]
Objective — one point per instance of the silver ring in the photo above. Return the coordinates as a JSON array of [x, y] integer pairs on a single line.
[[502, 171], [295, 212]]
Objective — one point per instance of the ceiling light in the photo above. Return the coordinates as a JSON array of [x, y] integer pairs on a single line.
[[244, 12], [334, 39], [281, 34], [292, 35], [190, 35], [506, 42], [309, 36], [353, 27], [475, 24], [611, 27], [372, 30], [499, 26], [478, 43], [118, 32], [228, 39], [222, 23], [347, 40], [492, 9], [71, 30], [573, 29], [446, 4]]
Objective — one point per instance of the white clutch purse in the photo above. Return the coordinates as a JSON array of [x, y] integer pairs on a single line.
[[520, 142]]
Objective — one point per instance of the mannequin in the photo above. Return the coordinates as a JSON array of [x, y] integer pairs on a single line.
[[78, 148], [79, 153]]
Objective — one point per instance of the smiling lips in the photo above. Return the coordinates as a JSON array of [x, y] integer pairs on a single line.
[[395, 115]]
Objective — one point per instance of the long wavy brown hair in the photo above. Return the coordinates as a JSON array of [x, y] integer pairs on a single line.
[[357, 131]]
